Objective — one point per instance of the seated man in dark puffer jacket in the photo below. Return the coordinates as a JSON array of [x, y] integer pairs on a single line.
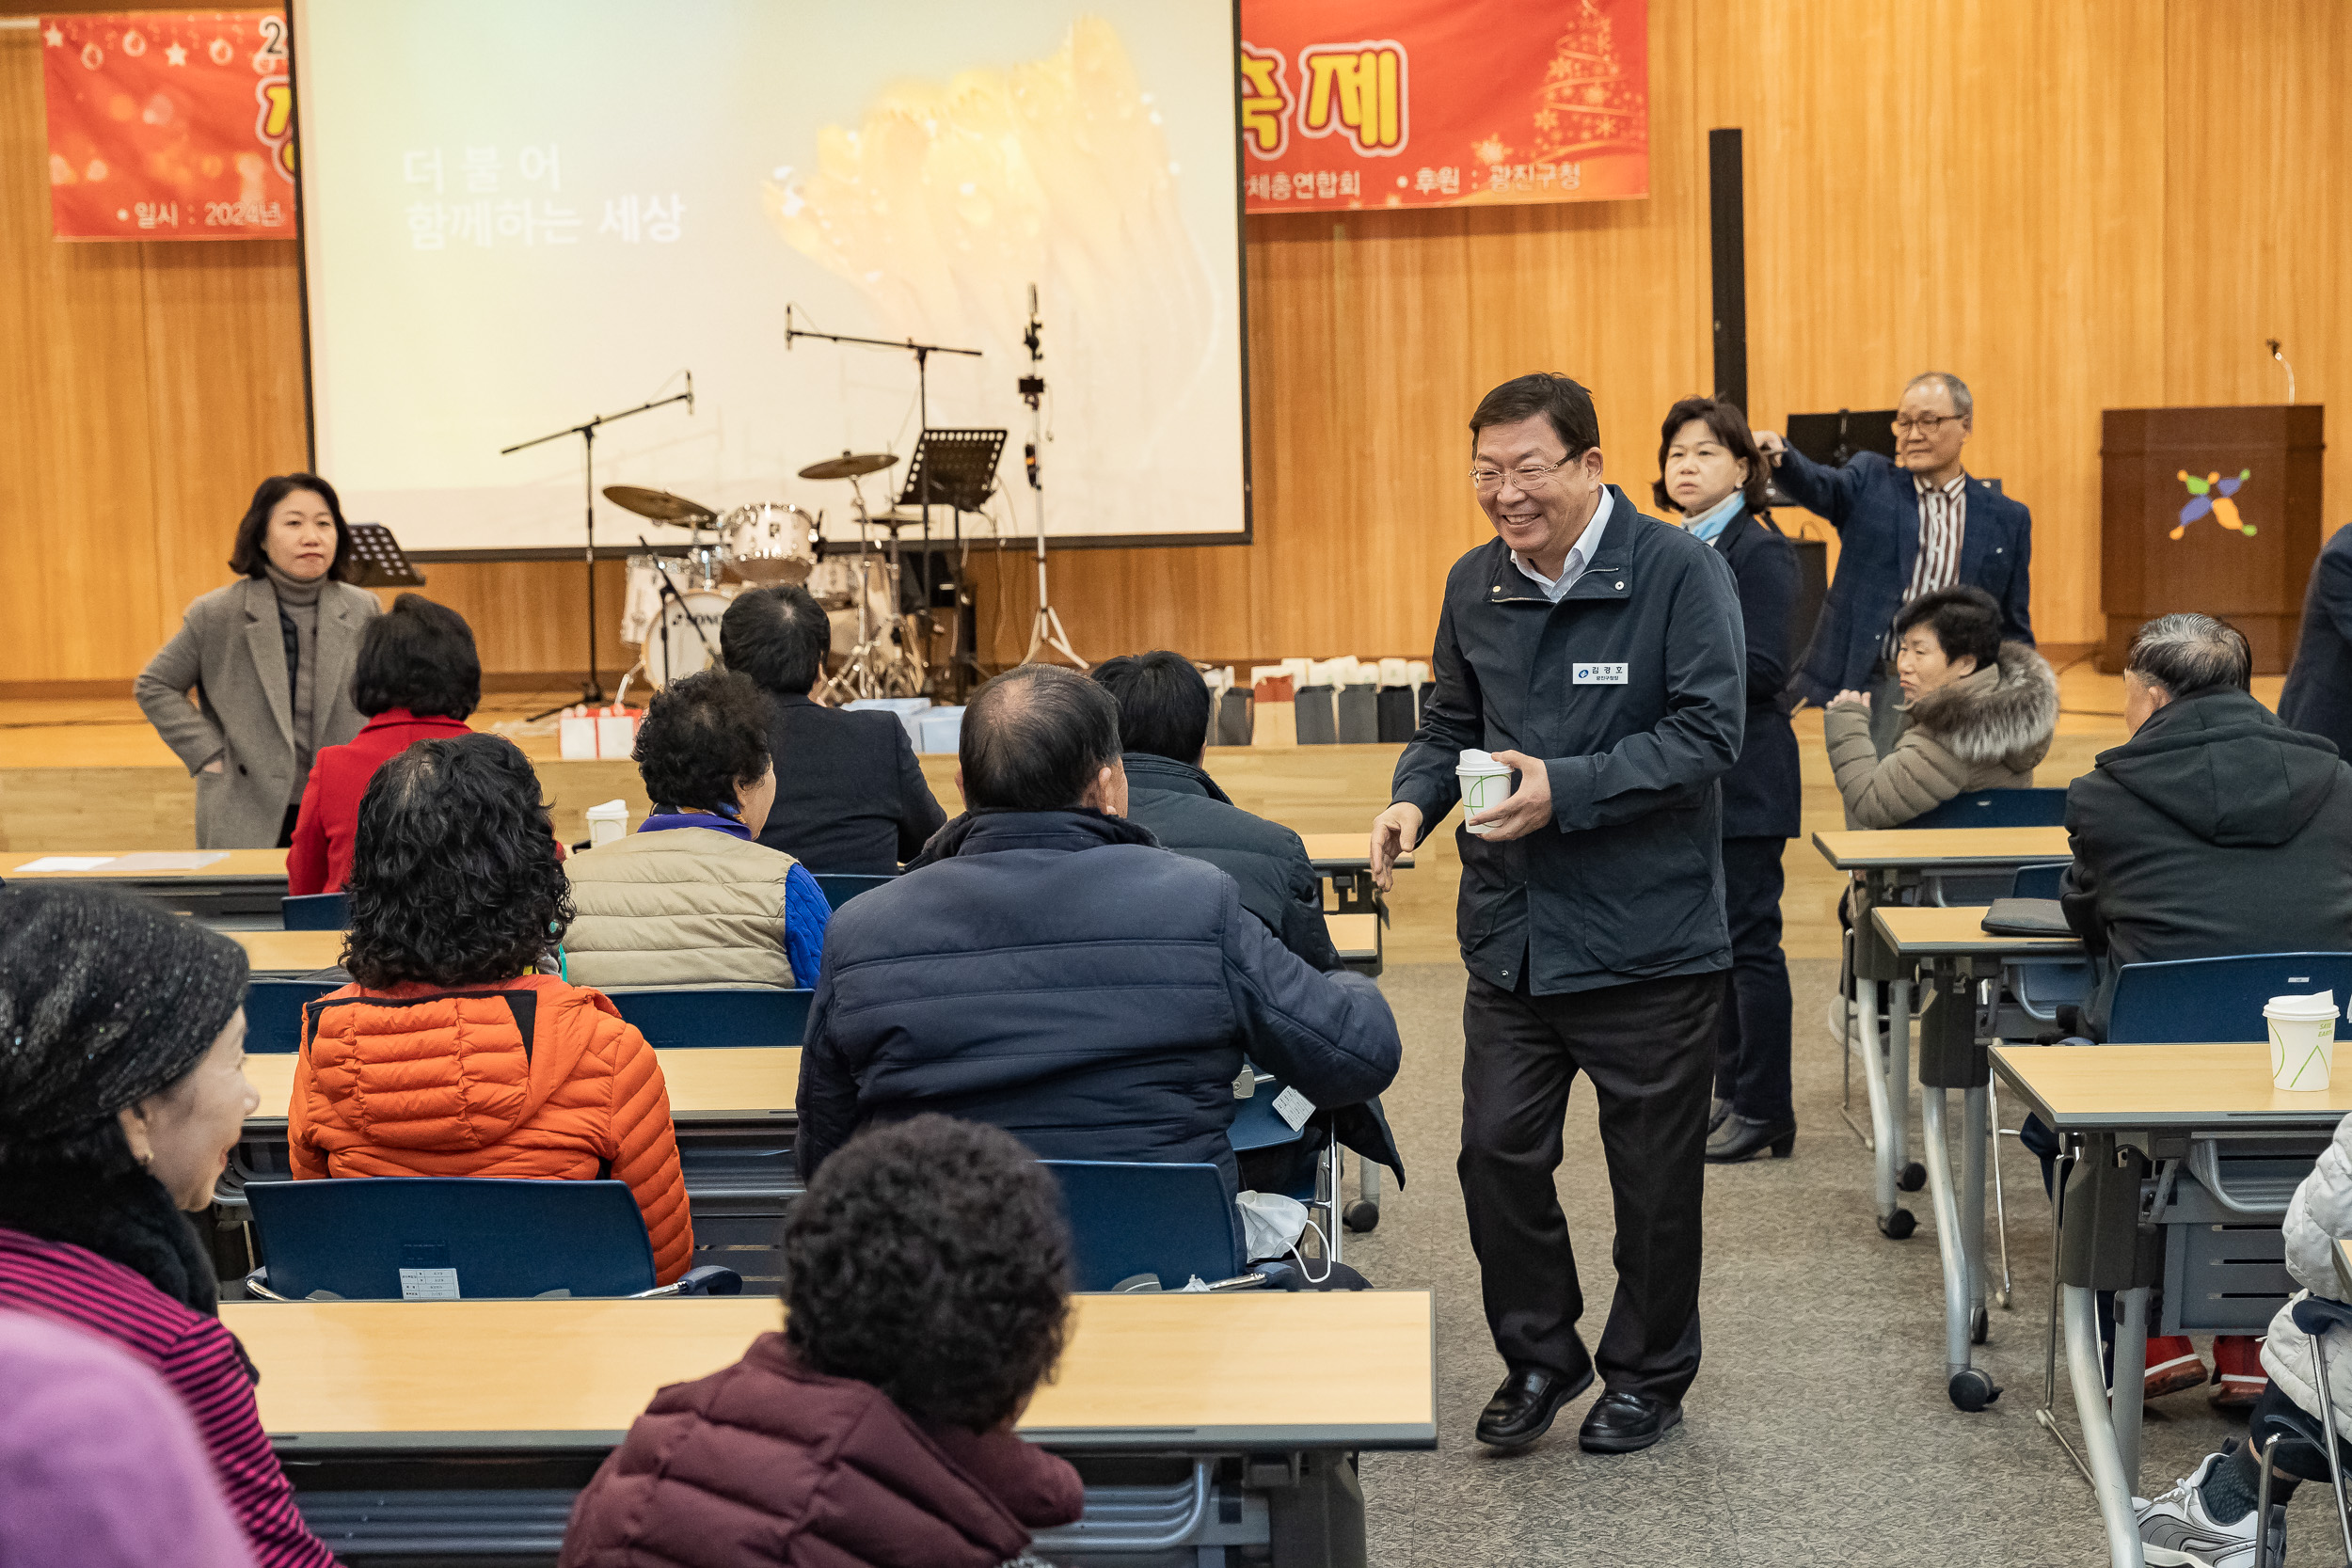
[[1046, 967], [1164, 709]]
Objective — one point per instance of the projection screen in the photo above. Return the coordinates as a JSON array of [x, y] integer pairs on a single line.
[[522, 215]]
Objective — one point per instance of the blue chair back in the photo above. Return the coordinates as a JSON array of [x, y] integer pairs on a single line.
[[354, 1237], [1999, 808], [2218, 999], [2038, 882], [839, 887], [1175, 1221], [316, 911], [273, 1012], [716, 1015]]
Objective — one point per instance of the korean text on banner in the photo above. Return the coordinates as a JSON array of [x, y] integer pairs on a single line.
[[1351, 103], [169, 126]]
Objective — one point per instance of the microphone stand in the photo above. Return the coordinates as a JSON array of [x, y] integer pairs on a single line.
[[593, 691], [1045, 631], [922, 352]]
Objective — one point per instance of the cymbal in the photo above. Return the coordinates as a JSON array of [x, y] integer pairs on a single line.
[[849, 466], [659, 505]]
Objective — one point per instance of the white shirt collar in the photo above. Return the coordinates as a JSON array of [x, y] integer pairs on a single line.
[[1580, 554]]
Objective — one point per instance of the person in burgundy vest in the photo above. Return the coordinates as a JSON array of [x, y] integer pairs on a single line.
[[927, 1282]]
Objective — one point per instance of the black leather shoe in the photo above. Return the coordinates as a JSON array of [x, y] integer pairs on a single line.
[[1625, 1423], [1716, 1112], [1523, 1408], [1740, 1139]]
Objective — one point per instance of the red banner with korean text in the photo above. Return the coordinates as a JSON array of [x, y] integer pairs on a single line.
[[169, 125], [1349, 104]]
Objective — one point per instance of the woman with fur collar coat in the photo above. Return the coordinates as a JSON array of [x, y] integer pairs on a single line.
[[1979, 714]]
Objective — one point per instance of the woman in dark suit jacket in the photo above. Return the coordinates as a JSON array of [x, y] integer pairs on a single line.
[[269, 659], [1711, 473]]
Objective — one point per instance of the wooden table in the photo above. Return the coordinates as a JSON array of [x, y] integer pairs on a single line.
[[1954, 946], [241, 881], [2157, 1098], [480, 1387], [733, 1084], [289, 952], [1930, 848]]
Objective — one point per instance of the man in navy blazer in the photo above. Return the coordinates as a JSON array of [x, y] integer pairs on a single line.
[[2318, 695], [1888, 515]]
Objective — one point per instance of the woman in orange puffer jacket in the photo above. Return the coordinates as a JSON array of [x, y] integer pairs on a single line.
[[451, 1055]]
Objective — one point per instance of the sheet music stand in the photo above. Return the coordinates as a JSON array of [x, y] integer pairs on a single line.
[[381, 562], [961, 466], [956, 470]]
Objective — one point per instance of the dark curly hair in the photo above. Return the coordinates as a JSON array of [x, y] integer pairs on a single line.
[[703, 739], [246, 558], [419, 656], [929, 1258], [454, 879]]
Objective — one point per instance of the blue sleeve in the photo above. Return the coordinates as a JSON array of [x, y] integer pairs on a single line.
[[2016, 617], [1826, 492], [805, 916]]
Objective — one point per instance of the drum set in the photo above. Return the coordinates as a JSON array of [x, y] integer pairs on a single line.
[[674, 601]]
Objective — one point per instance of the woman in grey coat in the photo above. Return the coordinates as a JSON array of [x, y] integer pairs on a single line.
[[269, 660]]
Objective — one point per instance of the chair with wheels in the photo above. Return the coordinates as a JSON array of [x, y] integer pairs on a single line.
[[1173, 1223], [316, 911], [682, 1016], [415, 1238], [839, 887]]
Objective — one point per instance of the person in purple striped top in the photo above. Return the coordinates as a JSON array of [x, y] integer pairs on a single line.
[[122, 1089]]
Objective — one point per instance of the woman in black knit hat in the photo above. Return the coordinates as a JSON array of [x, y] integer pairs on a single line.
[[122, 1089]]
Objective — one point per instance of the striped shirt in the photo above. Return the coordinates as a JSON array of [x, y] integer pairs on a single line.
[[1943, 519], [195, 1355]]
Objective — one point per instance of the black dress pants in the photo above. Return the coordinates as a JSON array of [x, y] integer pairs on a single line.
[[1752, 1045], [1649, 1047]]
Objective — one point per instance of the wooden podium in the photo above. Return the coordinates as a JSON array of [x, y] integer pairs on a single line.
[[2209, 509]]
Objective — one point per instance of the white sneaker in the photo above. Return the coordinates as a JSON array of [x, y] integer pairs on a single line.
[[2175, 1531]]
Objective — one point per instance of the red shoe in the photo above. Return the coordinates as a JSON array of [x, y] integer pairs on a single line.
[[2172, 1365], [2237, 1367]]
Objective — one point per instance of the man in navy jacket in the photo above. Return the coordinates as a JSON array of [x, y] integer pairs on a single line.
[[1046, 967], [1904, 528], [1598, 654], [2318, 695]]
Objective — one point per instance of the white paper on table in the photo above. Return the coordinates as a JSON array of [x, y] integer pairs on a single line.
[[61, 863], [168, 859]]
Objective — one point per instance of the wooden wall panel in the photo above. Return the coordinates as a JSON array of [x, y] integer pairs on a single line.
[[2099, 204]]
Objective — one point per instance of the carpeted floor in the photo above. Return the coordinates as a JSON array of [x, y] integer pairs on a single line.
[[1818, 1430]]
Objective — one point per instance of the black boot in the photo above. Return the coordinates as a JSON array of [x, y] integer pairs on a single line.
[[1740, 1139]]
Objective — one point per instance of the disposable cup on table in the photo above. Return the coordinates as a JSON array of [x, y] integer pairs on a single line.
[[2302, 1040]]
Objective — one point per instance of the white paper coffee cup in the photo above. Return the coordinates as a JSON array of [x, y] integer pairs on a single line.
[[1485, 782], [608, 822], [2302, 1040]]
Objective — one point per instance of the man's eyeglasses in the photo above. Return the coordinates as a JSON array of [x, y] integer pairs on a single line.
[[1529, 477], [1926, 425]]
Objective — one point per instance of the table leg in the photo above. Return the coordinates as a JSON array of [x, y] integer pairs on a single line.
[[1898, 1142], [1974, 1154], [1874, 1080], [2130, 1379], [2099, 1437], [1970, 1389]]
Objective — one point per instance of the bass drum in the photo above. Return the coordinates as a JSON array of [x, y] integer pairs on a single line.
[[684, 638], [641, 604]]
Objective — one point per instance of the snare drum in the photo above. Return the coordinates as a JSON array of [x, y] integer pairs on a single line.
[[767, 543]]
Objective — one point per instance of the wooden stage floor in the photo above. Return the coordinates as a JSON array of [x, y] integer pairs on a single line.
[[89, 773]]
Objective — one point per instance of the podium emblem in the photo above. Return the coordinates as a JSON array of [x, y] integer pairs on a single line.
[[2209, 497]]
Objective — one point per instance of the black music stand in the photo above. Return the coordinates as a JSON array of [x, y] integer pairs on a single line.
[[381, 562], [955, 468]]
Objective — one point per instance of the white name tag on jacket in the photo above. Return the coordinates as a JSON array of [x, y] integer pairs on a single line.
[[1600, 674]]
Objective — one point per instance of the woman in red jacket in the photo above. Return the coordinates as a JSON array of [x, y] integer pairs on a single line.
[[416, 677], [926, 1277]]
